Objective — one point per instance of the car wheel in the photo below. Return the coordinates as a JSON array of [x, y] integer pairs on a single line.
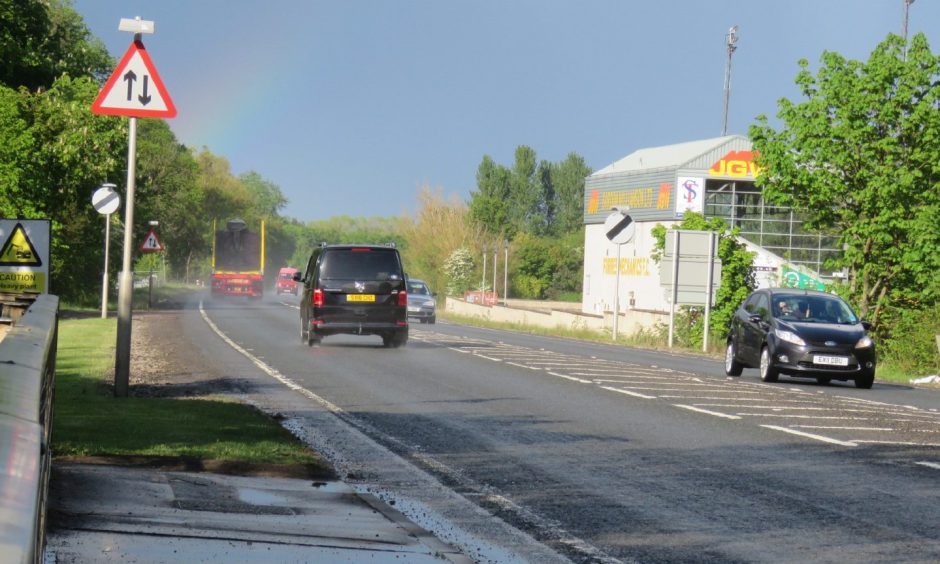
[[304, 334], [865, 381], [395, 340], [732, 366], [823, 381], [432, 319], [767, 371]]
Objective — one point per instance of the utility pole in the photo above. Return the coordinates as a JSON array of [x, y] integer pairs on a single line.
[[730, 40]]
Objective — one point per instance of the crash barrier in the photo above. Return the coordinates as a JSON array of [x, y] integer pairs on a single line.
[[27, 371]]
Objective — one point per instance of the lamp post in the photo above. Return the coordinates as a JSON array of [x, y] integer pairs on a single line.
[[483, 278], [495, 257], [153, 224], [506, 273]]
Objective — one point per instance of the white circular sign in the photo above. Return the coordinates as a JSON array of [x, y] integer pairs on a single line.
[[106, 200], [619, 227]]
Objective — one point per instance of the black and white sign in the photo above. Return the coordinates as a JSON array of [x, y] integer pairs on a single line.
[[105, 200], [619, 227]]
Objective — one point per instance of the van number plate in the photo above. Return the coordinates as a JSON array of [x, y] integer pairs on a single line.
[[360, 297], [831, 360]]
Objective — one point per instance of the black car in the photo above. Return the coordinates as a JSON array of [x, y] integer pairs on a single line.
[[800, 333], [354, 289]]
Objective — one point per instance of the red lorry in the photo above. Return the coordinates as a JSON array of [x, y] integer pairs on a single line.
[[238, 260]]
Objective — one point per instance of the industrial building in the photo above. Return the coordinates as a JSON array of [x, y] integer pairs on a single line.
[[714, 177]]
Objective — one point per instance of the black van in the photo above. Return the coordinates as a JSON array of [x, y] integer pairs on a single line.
[[354, 289]]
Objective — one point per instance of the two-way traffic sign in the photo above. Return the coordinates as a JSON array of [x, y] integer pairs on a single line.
[[151, 243], [134, 88]]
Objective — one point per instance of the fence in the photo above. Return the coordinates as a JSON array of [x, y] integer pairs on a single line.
[[27, 371]]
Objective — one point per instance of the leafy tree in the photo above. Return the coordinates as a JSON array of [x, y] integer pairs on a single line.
[[437, 231], [547, 267], [567, 179], [861, 157], [489, 204], [737, 278], [43, 40]]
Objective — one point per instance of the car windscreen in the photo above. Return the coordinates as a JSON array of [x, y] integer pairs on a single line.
[[367, 264], [418, 288], [814, 309]]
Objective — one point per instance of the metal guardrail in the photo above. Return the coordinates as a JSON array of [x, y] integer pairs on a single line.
[[27, 372]]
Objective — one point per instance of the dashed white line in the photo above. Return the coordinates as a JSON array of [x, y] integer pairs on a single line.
[[810, 436], [933, 465], [572, 378], [627, 392], [706, 411]]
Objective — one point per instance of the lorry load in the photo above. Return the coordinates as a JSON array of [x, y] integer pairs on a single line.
[[238, 260]]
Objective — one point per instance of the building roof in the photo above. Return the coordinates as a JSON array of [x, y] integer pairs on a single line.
[[669, 156]]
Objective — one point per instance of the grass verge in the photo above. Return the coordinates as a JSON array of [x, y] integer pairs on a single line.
[[90, 421]]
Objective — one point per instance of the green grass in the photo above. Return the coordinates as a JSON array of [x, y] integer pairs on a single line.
[[646, 340], [90, 421]]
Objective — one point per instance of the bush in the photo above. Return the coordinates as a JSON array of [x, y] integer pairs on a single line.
[[911, 345]]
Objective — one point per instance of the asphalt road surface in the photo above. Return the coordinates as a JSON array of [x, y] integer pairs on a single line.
[[521, 447]]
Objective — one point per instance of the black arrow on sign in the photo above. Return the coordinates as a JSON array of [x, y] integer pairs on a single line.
[[145, 98], [130, 77]]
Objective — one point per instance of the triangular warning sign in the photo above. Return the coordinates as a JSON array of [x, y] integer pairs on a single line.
[[151, 243], [18, 250], [134, 88]]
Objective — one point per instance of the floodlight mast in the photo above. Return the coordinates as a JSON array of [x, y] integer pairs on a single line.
[[731, 40], [907, 9]]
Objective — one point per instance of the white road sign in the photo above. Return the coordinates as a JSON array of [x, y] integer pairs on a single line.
[[134, 88]]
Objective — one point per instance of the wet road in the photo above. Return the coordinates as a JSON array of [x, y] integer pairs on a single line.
[[604, 454]]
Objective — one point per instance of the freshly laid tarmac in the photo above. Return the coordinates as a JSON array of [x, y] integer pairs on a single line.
[[101, 513]]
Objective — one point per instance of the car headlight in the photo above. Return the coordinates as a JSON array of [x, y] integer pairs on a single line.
[[431, 303], [790, 337], [864, 343]]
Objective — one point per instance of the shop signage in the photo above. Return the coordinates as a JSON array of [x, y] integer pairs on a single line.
[[634, 198], [690, 195], [736, 164], [790, 278]]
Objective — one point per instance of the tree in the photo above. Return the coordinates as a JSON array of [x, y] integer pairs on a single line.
[[440, 228], [567, 179], [737, 276], [43, 40], [861, 157]]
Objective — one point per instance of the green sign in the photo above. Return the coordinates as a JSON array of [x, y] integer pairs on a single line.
[[790, 278]]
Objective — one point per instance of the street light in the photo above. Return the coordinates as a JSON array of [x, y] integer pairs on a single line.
[[506, 273]]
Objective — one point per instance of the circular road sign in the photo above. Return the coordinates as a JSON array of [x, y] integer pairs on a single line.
[[619, 227], [106, 200]]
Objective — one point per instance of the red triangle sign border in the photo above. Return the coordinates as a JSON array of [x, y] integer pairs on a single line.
[[136, 47]]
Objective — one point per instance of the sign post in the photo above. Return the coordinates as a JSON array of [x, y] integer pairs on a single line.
[[106, 201], [151, 244], [134, 90], [620, 229]]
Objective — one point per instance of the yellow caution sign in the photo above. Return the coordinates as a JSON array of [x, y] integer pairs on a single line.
[[18, 250]]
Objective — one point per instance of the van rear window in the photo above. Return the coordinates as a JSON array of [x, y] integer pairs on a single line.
[[359, 265]]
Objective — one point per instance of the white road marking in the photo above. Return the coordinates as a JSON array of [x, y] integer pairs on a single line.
[[629, 393], [705, 411], [842, 428], [488, 357], [778, 416], [523, 366], [810, 436], [933, 465], [572, 378], [899, 443]]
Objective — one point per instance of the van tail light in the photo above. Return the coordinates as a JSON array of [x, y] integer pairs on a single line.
[[403, 298], [317, 298]]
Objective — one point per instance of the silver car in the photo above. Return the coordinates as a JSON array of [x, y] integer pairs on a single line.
[[421, 302]]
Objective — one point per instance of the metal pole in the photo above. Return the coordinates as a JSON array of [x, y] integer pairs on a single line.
[[122, 364], [483, 278], [104, 277], [675, 285], [617, 296], [506, 275], [495, 258], [731, 38], [709, 285], [150, 284]]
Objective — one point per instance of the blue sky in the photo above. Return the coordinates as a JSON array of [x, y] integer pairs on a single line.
[[350, 106]]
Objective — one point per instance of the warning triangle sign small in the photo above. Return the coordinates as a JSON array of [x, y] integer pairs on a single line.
[[151, 243], [18, 250], [134, 88]]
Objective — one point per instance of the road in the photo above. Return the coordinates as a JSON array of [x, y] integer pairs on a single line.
[[542, 449]]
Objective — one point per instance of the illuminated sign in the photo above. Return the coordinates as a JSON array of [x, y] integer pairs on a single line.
[[636, 198], [736, 164]]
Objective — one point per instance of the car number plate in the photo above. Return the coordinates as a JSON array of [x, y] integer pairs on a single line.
[[414, 309], [360, 297], [831, 360]]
